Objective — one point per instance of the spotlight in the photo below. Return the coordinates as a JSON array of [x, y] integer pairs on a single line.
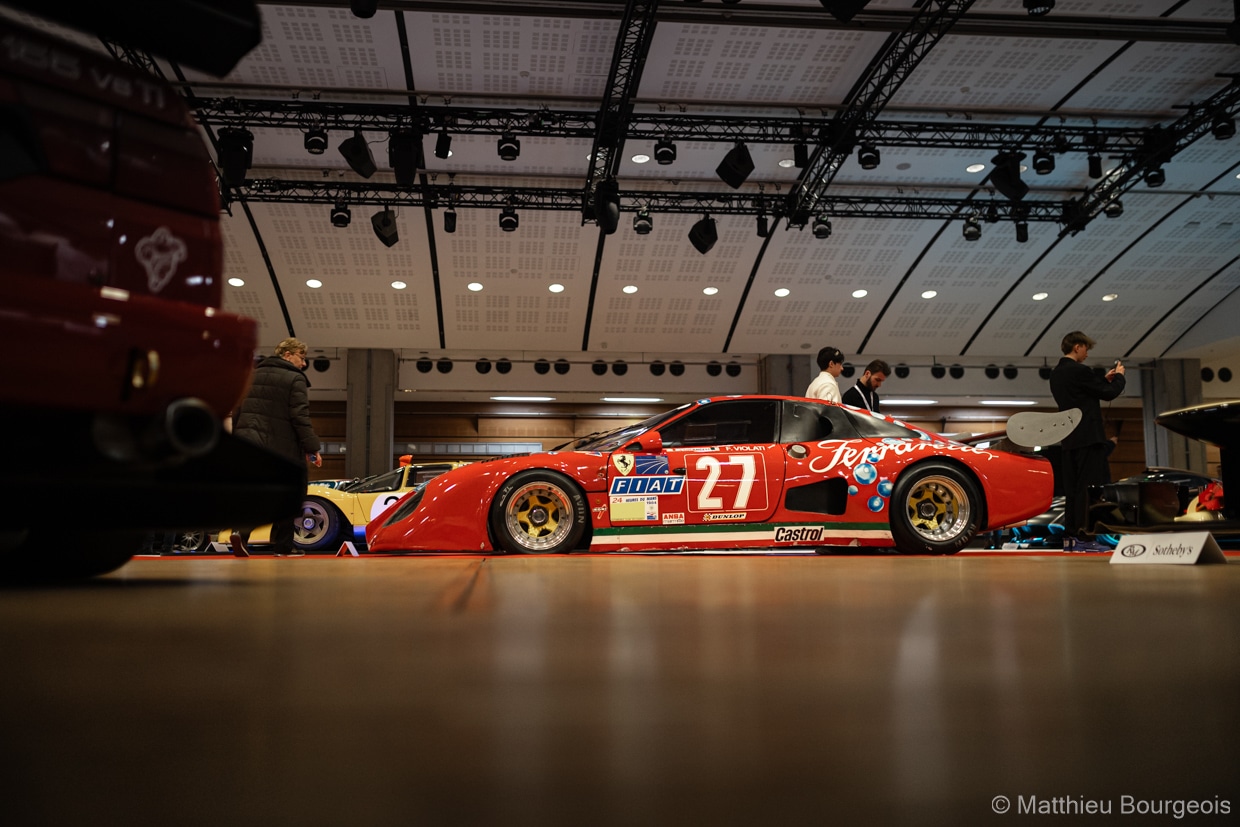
[[322, 364], [1043, 162], [1224, 127], [236, 150], [843, 10], [1155, 177], [483, 366], [315, 141], [713, 368], [607, 205], [956, 371], [599, 367], [642, 222], [992, 371], [357, 152], [341, 215], [676, 368], [1022, 231], [1114, 208], [619, 367], [822, 226], [901, 371], [425, 365], [542, 367], [444, 365], [703, 235], [508, 147], [735, 166], [363, 8], [664, 151], [1009, 372], [657, 367], [732, 369], [764, 227], [1095, 165], [508, 219], [503, 365], [384, 223], [868, 156], [992, 213], [800, 155], [449, 220], [1044, 373], [403, 156], [938, 371], [972, 229], [562, 366], [1006, 175], [443, 145], [1038, 8]]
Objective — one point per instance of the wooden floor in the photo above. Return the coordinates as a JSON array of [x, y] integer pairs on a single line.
[[620, 690]]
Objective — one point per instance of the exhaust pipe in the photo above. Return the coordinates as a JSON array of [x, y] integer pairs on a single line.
[[185, 429], [189, 428]]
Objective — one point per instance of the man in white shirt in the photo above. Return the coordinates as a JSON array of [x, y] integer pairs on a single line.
[[830, 363]]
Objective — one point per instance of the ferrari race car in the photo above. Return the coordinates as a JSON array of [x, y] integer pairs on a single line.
[[331, 516], [734, 473]]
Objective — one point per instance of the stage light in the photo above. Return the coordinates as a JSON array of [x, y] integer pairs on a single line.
[[1039, 8], [384, 223], [764, 227], [607, 205], [972, 230], [800, 155], [664, 151], [443, 145], [642, 222], [236, 153], [1224, 127], [735, 166], [822, 226], [403, 156], [508, 219], [1022, 231], [364, 8], [508, 147], [449, 220], [1006, 175], [868, 156], [357, 152], [1154, 177], [703, 235], [341, 215], [1095, 165], [315, 141], [1114, 208], [1043, 162]]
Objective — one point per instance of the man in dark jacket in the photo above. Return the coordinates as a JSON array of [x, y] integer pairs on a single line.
[[276, 415], [864, 394], [1076, 385]]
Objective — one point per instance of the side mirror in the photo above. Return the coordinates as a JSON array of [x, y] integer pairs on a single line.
[[650, 442]]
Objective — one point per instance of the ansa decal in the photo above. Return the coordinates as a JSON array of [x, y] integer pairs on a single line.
[[847, 456]]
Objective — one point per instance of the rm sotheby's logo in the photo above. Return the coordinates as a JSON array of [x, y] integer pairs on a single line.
[[1132, 550]]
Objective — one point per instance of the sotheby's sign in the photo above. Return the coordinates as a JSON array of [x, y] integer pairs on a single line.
[[1182, 548]]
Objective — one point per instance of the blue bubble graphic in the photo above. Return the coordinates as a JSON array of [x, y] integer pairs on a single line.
[[876, 503], [865, 474], [884, 487], [852, 490]]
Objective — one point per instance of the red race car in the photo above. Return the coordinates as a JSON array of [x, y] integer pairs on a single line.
[[744, 472]]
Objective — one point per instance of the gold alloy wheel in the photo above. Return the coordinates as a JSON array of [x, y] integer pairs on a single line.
[[938, 509], [539, 516]]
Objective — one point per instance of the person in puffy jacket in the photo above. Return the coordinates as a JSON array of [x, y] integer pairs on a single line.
[[276, 415]]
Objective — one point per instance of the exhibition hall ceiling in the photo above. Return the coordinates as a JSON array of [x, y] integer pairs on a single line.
[[595, 90]]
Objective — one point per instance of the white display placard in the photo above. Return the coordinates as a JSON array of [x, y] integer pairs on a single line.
[[1175, 548]]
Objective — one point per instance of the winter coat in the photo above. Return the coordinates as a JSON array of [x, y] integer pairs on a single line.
[[276, 411], [1075, 385]]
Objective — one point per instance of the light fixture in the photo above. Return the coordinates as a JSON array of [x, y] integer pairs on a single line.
[[800, 155], [1224, 127], [783, 292], [607, 205], [868, 156], [642, 222], [992, 371], [357, 152], [399, 285], [236, 151], [822, 226], [703, 234], [403, 156], [843, 10], [921, 403], [972, 230], [1114, 208], [629, 289], [956, 371], [1043, 162], [555, 287], [664, 151], [860, 294], [384, 223], [508, 147], [929, 294], [315, 141], [1006, 175], [764, 226], [522, 398], [1095, 165], [508, 219], [1038, 297], [1154, 177], [1110, 297], [902, 371], [974, 168], [710, 291], [786, 163], [449, 220], [992, 213], [314, 284], [1038, 8], [236, 282], [443, 145], [474, 287], [1022, 231], [641, 158], [735, 166], [341, 215], [634, 399], [1010, 371], [364, 8], [937, 371], [1016, 403]]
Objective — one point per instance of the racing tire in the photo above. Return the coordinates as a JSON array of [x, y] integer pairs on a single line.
[[319, 526], [191, 541], [936, 508], [66, 557], [538, 512]]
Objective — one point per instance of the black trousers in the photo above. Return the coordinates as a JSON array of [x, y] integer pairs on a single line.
[[1082, 467]]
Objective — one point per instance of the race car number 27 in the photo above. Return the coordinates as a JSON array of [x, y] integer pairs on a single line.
[[714, 468]]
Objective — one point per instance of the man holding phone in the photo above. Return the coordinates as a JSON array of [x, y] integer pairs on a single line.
[[1076, 385]]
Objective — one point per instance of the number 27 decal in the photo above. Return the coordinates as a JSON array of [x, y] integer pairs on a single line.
[[714, 469]]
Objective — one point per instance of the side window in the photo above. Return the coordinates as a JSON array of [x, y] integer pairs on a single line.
[[804, 422], [724, 423]]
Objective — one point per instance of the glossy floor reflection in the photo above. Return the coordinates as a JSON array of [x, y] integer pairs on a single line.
[[610, 690]]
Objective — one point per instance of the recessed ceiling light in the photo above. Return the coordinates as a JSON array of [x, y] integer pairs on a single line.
[[787, 162], [632, 399], [630, 289], [1019, 402], [523, 398], [1110, 297], [1037, 297], [783, 291], [399, 285], [640, 158], [710, 291], [860, 294], [236, 282], [474, 286], [315, 283], [556, 288], [929, 294], [909, 402], [975, 168]]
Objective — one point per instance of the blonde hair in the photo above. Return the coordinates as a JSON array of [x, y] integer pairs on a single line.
[[289, 346]]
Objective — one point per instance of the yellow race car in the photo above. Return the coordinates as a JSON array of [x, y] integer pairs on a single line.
[[331, 516]]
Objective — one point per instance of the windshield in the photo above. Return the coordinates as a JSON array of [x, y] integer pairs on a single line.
[[611, 440]]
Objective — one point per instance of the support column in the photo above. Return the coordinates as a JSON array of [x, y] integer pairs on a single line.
[[786, 375], [1172, 384], [370, 412]]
